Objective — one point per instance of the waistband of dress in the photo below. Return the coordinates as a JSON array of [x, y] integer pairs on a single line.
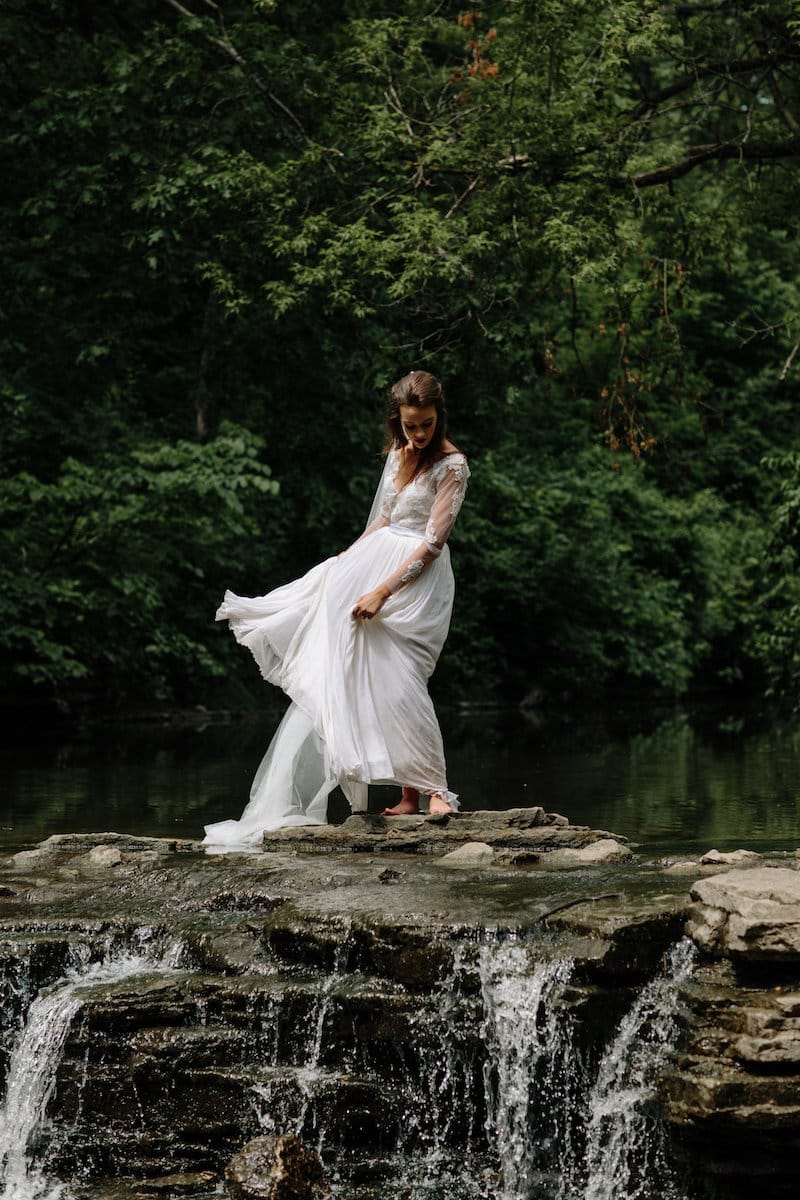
[[418, 534]]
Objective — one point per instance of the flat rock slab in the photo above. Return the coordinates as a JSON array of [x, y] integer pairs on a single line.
[[751, 914], [527, 829]]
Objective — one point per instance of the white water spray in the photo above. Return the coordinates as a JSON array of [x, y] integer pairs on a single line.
[[32, 1073], [625, 1153], [529, 1043]]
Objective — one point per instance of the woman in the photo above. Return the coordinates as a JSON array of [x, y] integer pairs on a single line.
[[354, 641]]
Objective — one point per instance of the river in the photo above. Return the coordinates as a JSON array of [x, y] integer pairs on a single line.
[[673, 781]]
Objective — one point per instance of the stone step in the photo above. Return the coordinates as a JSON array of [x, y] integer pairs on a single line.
[[518, 829]]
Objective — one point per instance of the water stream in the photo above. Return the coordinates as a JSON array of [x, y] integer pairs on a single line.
[[493, 1094], [625, 1151], [526, 1115], [532, 1065], [33, 1067]]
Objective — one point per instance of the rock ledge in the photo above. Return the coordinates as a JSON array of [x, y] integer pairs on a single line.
[[524, 829]]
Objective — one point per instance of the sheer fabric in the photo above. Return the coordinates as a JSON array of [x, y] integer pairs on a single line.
[[360, 709]]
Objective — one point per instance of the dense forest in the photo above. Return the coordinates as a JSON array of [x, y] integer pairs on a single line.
[[228, 227]]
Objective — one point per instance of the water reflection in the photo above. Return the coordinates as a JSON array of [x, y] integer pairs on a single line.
[[669, 781]]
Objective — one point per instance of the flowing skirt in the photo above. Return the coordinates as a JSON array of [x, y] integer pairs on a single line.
[[360, 711]]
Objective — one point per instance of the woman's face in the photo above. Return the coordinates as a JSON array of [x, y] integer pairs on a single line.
[[419, 424]]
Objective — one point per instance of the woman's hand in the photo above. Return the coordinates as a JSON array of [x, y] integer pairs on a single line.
[[371, 603], [409, 454]]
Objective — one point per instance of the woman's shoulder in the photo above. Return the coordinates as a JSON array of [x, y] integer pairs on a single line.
[[452, 459]]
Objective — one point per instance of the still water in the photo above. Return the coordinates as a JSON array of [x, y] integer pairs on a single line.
[[672, 781]]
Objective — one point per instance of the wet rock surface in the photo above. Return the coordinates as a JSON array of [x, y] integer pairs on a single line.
[[733, 1096], [750, 914], [276, 1168], [529, 829], [330, 996]]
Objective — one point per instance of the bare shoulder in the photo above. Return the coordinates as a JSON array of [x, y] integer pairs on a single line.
[[449, 447]]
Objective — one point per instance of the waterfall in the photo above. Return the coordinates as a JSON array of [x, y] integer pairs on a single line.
[[531, 1067], [487, 1093], [553, 1127], [293, 1110], [31, 1080], [625, 1153], [32, 1073]]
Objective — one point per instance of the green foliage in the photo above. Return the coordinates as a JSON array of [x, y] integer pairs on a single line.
[[585, 576], [107, 570], [774, 625], [583, 216]]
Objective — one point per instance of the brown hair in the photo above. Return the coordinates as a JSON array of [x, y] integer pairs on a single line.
[[419, 389]]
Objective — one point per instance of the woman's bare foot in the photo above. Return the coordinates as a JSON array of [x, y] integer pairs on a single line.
[[408, 805], [438, 805]]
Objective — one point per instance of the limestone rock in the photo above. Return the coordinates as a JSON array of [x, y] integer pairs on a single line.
[[186, 1183], [749, 914], [28, 858], [471, 854], [735, 858], [606, 850], [276, 1168], [788, 1003], [104, 856], [777, 1044], [733, 1093], [530, 829], [558, 820], [689, 866]]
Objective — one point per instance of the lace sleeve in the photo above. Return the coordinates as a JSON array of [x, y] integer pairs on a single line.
[[449, 498]]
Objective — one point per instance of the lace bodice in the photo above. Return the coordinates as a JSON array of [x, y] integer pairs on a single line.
[[427, 506], [413, 506]]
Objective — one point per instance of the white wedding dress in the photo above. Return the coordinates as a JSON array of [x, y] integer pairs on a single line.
[[360, 709]]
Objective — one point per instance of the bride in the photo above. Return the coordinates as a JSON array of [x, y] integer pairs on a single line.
[[354, 641]]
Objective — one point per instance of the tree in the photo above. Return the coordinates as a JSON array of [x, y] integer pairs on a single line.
[[582, 216]]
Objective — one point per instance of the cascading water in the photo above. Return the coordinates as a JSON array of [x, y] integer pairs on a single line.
[[267, 1092], [30, 1084], [531, 1063], [32, 1072], [486, 1085], [625, 1152], [552, 1128]]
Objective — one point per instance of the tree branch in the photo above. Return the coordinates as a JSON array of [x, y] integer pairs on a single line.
[[789, 361], [716, 151], [788, 118], [228, 49], [725, 70]]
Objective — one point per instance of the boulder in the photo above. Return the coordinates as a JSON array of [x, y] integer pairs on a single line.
[[104, 856], [471, 854], [689, 866], [28, 858], [276, 1167], [734, 858], [606, 850], [751, 914]]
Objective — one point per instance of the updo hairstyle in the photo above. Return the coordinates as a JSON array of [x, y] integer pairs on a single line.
[[419, 389]]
